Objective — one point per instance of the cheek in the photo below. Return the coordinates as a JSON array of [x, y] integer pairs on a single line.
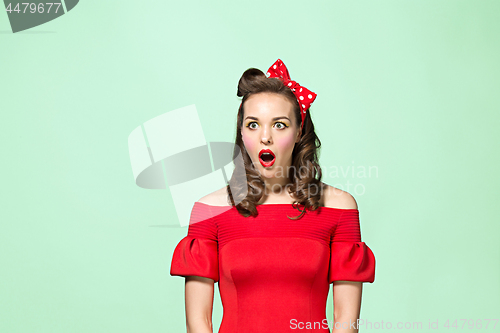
[[248, 142], [286, 143]]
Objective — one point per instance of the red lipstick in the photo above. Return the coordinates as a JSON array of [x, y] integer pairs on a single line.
[[266, 157]]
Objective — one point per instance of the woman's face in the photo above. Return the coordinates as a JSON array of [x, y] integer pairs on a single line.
[[269, 124]]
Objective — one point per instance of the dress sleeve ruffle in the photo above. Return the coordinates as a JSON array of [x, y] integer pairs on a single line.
[[350, 258], [351, 261], [196, 257], [197, 253]]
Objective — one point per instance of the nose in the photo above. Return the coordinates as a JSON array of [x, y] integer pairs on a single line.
[[266, 137]]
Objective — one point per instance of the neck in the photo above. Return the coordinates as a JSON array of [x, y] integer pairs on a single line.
[[277, 185]]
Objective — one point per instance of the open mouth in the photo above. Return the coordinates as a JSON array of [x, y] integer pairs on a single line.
[[266, 157]]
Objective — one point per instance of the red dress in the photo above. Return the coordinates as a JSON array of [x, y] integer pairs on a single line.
[[274, 272]]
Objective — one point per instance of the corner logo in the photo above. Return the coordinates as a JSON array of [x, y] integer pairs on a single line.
[[26, 15]]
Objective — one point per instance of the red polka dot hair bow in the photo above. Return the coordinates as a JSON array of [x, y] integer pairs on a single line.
[[305, 97]]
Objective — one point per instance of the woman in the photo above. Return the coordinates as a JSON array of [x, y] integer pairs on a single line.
[[274, 269]]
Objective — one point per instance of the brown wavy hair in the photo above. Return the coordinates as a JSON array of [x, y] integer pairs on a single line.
[[304, 155]]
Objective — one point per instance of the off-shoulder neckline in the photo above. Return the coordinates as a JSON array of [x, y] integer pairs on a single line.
[[278, 204]]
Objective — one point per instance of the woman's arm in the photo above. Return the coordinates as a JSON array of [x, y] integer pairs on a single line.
[[346, 306], [199, 303]]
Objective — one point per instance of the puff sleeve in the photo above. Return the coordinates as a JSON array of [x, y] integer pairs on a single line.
[[350, 258], [197, 253]]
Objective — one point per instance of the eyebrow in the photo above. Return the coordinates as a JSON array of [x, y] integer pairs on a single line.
[[276, 118]]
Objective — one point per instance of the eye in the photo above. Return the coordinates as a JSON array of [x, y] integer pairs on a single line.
[[282, 125], [249, 125]]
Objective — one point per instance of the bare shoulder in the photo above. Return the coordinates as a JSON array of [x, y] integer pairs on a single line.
[[337, 198], [216, 198]]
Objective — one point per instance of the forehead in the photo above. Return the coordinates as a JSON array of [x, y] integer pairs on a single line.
[[268, 105]]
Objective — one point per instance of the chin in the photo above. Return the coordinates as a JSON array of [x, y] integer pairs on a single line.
[[267, 173]]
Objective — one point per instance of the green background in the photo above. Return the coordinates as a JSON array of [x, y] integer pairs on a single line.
[[408, 88]]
